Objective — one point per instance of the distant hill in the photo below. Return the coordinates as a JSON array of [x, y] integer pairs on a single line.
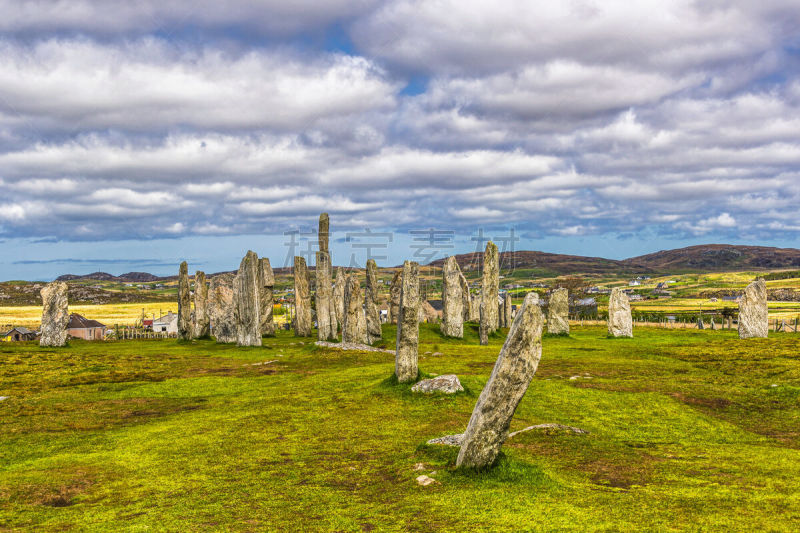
[[717, 257], [136, 277], [547, 263]]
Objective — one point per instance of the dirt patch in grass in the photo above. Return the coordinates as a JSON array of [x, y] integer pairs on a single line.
[[708, 403]]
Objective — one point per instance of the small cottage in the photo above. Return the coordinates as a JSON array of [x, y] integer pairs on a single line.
[[18, 334], [167, 323], [81, 327]]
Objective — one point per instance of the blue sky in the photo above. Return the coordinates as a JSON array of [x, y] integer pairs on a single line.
[[134, 135]]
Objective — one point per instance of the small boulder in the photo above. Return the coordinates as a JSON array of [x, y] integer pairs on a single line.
[[425, 480], [448, 384]]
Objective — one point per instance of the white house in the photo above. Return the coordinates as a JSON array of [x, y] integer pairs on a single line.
[[168, 323]]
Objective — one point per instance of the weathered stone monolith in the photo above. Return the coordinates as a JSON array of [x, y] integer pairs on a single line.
[[265, 297], [483, 328], [511, 376], [326, 313], [394, 296], [558, 312], [55, 314], [302, 299], [452, 300], [184, 303], [466, 298], [507, 310], [200, 305], [220, 308], [753, 314], [371, 303], [324, 232], [620, 323], [405, 361], [490, 287], [246, 304], [354, 327], [338, 296]]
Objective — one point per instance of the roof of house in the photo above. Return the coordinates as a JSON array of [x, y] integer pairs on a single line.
[[77, 321], [169, 317]]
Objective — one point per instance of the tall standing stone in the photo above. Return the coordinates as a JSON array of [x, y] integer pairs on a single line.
[[483, 328], [490, 287], [338, 296], [326, 313], [558, 312], [55, 314], [753, 313], [394, 296], [452, 299], [511, 376], [371, 303], [220, 308], [620, 323], [507, 310], [302, 299], [354, 327], [184, 303], [200, 305], [466, 298], [405, 361], [265, 297], [324, 232], [246, 301]]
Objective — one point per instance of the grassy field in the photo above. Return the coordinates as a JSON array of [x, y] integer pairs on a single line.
[[688, 430], [31, 315]]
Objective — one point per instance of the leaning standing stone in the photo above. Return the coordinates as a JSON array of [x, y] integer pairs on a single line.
[[200, 305], [302, 299], [354, 328], [558, 312], [326, 315], [620, 323], [394, 296], [338, 296], [55, 314], [184, 303], [452, 300], [490, 287], [220, 308], [265, 284], [753, 313], [371, 303], [513, 372], [246, 304], [405, 362]]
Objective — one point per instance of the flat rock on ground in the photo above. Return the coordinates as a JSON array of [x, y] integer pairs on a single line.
[[448, 383], [352, 346], [458, 438]]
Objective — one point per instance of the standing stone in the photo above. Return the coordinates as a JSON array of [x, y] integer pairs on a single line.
[[246, 304], [405, 361], [466, 299], [184, 304], [220, 308], [394, 296], [302, 299], [55, 314], [507, 310], [200, 305], [452, 300], [326, 314], [324, 232], [483, 328], [558, 312], [511, 376], [354, 327], [265, 297], [475, 309], [620, 323], [338, 296], [490, 287], [753, 314], [371, 303]]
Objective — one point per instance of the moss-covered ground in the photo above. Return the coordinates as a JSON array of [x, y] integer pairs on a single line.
[[688, 430]]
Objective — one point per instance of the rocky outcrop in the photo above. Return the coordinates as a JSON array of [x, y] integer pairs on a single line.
[[620, 323], [452, 300], [266, 283], [490, 287], [326, 313], [302, 299], [371, 303], [55, 314], [354, 328], [246, 304], [512, 373], [220, 308], [448, 384], [201, 322], [185, 328], [753, 314], [405, 363], [394, 296], [558, 312]]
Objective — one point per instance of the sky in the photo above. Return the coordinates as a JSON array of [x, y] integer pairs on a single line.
[[134, 135]]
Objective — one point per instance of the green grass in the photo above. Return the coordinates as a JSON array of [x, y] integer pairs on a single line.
[[689, 430]]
